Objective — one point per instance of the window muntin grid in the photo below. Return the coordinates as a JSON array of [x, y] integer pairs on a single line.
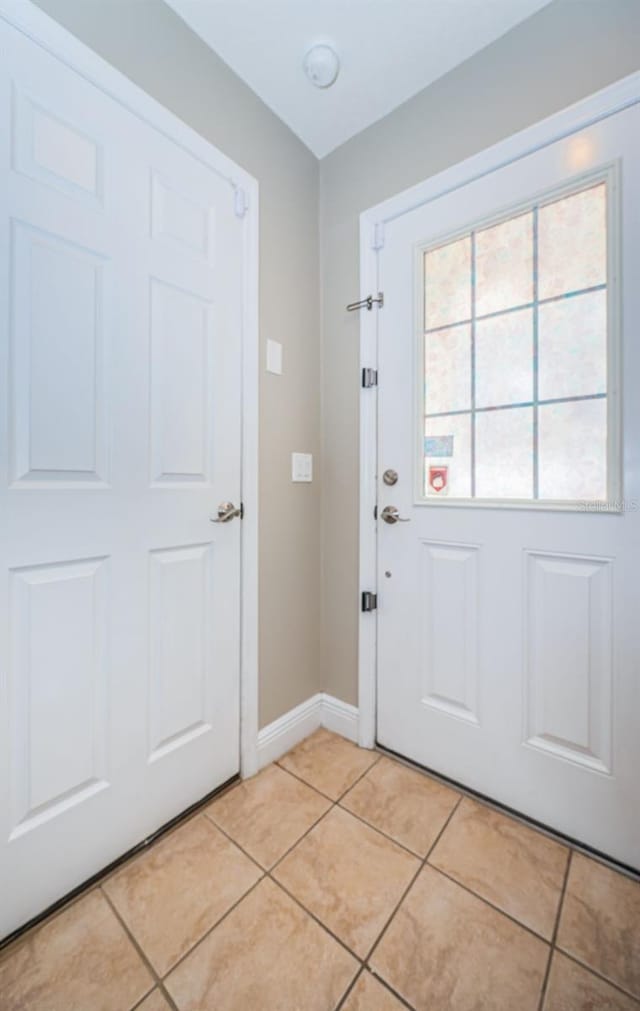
[[541, 275]]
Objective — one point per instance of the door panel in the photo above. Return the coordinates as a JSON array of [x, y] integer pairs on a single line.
[[122, 262], [59, 688], [568, 619], [507, 640]]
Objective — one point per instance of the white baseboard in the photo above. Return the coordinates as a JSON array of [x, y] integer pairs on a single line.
[[340, 717], [320, 710]]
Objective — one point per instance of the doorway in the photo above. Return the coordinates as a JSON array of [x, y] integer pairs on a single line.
[[500, 454]]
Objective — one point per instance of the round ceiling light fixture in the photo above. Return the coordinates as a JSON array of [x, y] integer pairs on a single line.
[[322, 65]]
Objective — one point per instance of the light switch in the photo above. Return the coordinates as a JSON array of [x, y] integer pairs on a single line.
[[274, 357], [301, 467]]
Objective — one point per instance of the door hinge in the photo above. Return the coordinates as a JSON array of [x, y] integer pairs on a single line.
[[377, 239], [367, 303], [241, 202], [369, 378], [369, 601]]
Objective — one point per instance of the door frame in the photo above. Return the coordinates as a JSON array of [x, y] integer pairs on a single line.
[[606, 102], [243, 190]]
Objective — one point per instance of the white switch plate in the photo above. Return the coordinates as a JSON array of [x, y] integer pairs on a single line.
[[274, 357], [301, 467]]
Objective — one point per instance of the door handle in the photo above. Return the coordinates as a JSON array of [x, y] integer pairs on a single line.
[[391, 515], [226, 511]]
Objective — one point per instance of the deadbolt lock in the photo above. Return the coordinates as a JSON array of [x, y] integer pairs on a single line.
[[390, 477]]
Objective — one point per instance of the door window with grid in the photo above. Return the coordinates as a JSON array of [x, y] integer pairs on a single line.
[[516, 352]]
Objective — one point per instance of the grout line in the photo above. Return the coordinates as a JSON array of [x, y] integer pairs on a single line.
[[154, 975], [594, 972], [370, 825], [413, 879], [167, 996], [492, 905], [158, 988], [364, 971], [210, 930], [317, 920], [267, 870], [377, 755], [398, 996], [507, 812], [157, 976], [350, 988], [545, 981]]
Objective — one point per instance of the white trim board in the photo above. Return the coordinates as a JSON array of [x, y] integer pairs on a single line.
[[320, 710], [56, 40], [602, 104]]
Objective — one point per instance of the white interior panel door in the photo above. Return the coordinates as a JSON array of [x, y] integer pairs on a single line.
[[121, 281], [508, 603]]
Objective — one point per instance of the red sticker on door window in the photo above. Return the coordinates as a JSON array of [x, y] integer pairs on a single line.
[[438, 480]]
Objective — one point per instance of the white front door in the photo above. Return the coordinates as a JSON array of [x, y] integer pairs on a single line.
[[120, 363], [509, 369]]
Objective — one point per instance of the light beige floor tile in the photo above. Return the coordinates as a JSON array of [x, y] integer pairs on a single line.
[[370, 995], [504, 861], [600, 922], [267, 814], [446, 949], [572, 988], [268, 954], [174, 893], [349, 876], [156, 1001], [406, 804], [328, 762], [81, 960]]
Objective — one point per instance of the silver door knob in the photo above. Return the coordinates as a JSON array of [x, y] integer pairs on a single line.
[[391, 515], [226, 511]]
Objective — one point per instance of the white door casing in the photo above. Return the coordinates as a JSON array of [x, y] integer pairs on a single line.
[[128, 343], [504, 638]]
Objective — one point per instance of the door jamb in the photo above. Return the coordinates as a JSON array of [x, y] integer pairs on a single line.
[[60, 43], [602, 104]]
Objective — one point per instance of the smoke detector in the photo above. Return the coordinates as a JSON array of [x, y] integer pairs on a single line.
[[322, 65]]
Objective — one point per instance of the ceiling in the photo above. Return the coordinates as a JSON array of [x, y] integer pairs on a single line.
[[389, 50]]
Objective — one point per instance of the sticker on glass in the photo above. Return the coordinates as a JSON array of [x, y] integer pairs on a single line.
[[438, 445], [438, 483]]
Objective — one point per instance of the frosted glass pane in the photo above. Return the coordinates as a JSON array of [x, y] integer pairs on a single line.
[[573, 450], [572, 346], [504, 453], [459, 463], [504, 359], [448, 370], [504, 265], [447, 284], [572, 243]]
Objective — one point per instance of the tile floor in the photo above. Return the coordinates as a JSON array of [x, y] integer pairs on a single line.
[[339, 878]]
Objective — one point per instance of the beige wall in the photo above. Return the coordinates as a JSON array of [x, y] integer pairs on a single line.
[[565, 52], [153, 47]]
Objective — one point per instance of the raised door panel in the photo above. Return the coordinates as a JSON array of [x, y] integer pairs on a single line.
[[58, 397], [180, 646], [58, 684], [54, 152], [180, 220], [181, 385], [568, 653], [449, 606]]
